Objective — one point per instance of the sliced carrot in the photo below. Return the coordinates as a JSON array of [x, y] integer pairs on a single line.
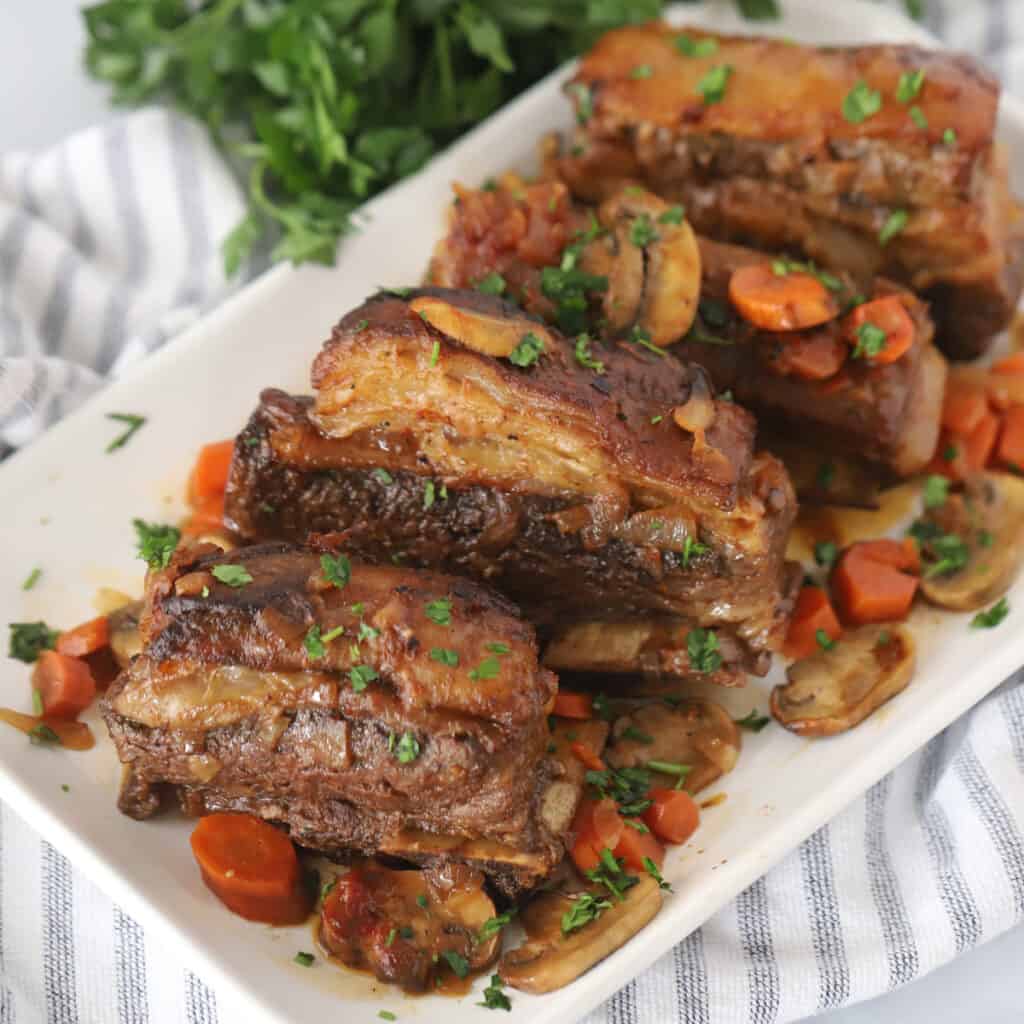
[[574, 705], [633, 846], [891, 316], [251, 867], [587, 756], [963, 407], [981, 442], [65, 684], [900, 554], [1010, 366], [950, 458], [597, 825], [813, 612], [207, 516], [85, 639], [811, 355], [673, 815], [780, 302], [868, 584], [210, 474], [1011, 441]]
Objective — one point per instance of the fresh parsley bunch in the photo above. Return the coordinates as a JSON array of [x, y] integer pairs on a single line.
[[330, 101]]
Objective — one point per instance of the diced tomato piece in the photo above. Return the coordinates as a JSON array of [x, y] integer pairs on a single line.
[[673, 815], [85, 639], [813, 612], [65, 684]]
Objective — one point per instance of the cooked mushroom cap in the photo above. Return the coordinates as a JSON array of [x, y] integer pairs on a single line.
[[549, 959], [834, 690], [125, 641], [489, 335], [989, 517], [697, 733]]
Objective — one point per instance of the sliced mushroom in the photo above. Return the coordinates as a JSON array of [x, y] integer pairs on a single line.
[[489, 335], [697, 733], [835, 689], [550, 959], [125, 641], [654, 285], [988, 516]]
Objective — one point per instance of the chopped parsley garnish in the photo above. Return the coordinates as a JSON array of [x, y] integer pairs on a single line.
[[825, 553], [498, 648], [636, 825], [950, 452], [652, 869], [781, 267], [985, 538], [631, 732], [691, 549], [367, 632], [626, 786], [991, 617], [487, 669], [386, 1015], [826, 474], [407, 748], [493, 925], [585, 908], [134, 424], [602, 707], [894, 224], [567, 286], [458, 963], [673, 215], [155, 542], [702, 647], [947, 554], [655, 420], [528, 351], [392, 935], [916, 115], [824, 641], [640, 337], [609, 873], [358, 608], [361, 676], [492, 284], [909, 86], [65, 788], [870, 341], [494, 998], [304, 959], [642, 232], [440, 611], [382, 475], [205, 592], [712, 86], [38, 708], [754, 722], [428, 494], [337, 569], [584, 357], [642, 71], [232, 575], [29, 638], [445, 656], [435, 352], [42, 734], [315, 642], [689, 47], [861, 102], [32, 579], [584, 100], [949, 137], [936, 491], [422, 900], [680, 771]]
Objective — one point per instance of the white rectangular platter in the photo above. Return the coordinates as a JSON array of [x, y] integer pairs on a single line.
[[68, 508]]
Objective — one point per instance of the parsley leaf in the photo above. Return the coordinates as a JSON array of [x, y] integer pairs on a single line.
[[337, 569], [824, 641], [445, 656], [641, 231], [585, 908], [440, 611], [712, 86], [642, 71], [894, 224], [909, 86], [652, 869], [384, 477], [32, 579], [492, 284], [494, 997], [134, 423], [825, 553], [232, 575], [991, 617], [673, 215], [361, 676], [861, 102], [528, 351], [458, 963], [487, 669], [689, 47], [754, 722], [702, 648], [155, 542], [584, 357], [493, 925], [407, 749], [304, 959], [936, 491], [315, 642], [28, 639], [870, 341]]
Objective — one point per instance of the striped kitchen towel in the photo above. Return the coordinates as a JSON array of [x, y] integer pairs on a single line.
[[108, 246]]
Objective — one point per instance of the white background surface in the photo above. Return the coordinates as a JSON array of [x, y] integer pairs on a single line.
[[44, 95]]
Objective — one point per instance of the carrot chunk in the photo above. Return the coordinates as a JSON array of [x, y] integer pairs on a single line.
[[811, 355], [1010, 366], [633, 846], [207, 516], [1011, 443], [963, 408], [888, 315], [85, 639], [251, 867], [589, 759], [981, 442], [789, 301], [869, 583], [597, 825], [210, 475], [573, 705], [673, 815], [65, 684], [813, 612]]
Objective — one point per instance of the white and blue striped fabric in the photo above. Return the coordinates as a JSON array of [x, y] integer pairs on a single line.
[[108, 247]]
